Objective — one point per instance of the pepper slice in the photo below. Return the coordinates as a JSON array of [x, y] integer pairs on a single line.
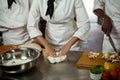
[[109, 66]]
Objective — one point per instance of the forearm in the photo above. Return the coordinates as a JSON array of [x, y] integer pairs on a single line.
[[42, 41], [64, 49], [72, 41]]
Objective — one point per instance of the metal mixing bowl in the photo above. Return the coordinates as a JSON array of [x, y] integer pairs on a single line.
[[18, 60]]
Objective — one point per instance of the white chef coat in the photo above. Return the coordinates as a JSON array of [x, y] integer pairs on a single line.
[[13, 21], [112, 9], [60, 28]]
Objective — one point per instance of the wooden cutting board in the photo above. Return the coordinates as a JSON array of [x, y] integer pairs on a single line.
[[85, 61]]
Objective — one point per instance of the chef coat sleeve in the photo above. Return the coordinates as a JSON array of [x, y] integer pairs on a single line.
[[99, 4], [33, 19], [82, 22]]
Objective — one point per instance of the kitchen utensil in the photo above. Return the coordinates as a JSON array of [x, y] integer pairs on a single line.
[[18, 60], [112, 43]]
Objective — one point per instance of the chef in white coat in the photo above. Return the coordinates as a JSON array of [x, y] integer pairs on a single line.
[[13, 21], [109, 13], [62, 32]]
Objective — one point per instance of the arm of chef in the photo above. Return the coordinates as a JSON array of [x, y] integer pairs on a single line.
[[33, 19], [82, 21]]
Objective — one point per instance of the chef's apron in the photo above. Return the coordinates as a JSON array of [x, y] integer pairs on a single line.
[[59, 34], [16, 36]]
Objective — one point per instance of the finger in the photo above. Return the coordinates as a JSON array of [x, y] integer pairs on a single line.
[[61, 54], [107, 33], [104, 30], [54, 54]]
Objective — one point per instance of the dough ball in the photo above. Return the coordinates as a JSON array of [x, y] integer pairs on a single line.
[[51, 59]]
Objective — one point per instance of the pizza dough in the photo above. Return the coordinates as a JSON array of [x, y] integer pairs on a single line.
[[56, 59]]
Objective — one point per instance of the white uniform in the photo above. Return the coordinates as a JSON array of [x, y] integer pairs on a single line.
[[60, 27], [13, 22], [112, 9]]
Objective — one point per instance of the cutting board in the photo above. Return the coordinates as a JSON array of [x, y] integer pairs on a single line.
[[85, 61]]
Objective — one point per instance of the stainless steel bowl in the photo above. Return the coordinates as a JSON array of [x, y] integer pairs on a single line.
[[18, 60]]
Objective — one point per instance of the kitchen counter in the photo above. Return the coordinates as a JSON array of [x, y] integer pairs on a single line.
[[44, 70]]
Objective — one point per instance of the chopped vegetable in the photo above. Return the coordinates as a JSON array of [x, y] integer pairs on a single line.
[[108, 66], [97, 69]]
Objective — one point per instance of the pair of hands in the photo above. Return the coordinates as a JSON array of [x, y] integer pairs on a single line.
[[106, 25], [61, 51]]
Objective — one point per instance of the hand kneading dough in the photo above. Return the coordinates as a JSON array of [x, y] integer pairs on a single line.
[[56, 59]]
